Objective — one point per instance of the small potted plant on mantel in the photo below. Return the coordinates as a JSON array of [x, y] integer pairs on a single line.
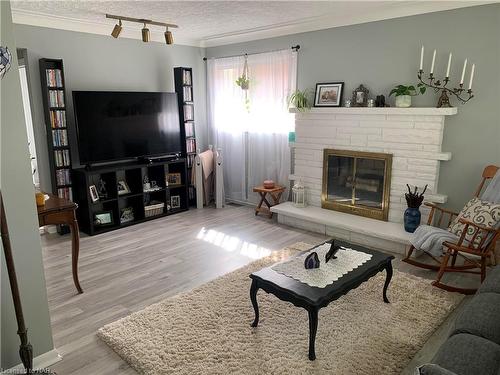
[[300, 100], [404, 93]]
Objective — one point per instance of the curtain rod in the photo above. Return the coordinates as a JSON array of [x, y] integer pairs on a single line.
[[294, 48]]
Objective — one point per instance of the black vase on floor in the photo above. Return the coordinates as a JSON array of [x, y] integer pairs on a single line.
[[412, 219]]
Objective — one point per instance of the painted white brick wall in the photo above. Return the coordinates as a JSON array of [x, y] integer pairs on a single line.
[[413, 140]]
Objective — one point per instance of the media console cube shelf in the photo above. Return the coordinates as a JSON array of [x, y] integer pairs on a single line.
[[133, 193]]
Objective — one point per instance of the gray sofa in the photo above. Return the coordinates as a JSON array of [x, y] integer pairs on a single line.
[[473, 348]]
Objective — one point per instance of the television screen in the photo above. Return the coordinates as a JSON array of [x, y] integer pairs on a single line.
[[126, 125]]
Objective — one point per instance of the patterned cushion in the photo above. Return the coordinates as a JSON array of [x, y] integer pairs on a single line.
[[479, 212]]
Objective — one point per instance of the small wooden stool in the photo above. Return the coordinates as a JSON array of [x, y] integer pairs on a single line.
[[275, 194]]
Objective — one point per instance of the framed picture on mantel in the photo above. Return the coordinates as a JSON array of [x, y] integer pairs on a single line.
[[328, 94]]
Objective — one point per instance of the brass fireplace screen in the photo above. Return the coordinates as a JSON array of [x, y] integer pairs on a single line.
[[357, 182]]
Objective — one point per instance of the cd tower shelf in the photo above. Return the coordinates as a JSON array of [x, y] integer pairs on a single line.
[[183, 77], [54, 105]]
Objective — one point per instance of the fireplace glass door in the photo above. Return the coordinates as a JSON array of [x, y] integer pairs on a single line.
[[357, 182]]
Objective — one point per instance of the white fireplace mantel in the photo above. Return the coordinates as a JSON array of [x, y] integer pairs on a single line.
[[413, 136], [420, 111]]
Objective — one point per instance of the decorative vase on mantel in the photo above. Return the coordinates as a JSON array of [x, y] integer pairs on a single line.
[[403, 101], [412, 215]]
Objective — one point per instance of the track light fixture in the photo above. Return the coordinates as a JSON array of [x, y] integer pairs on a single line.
[[117, 29], [146, 34], [169, 39]]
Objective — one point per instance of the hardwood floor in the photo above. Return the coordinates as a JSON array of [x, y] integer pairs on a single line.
[[128, 269]]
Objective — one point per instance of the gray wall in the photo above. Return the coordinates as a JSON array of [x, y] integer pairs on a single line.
[[96, 62], [382, 54], [19, 199]]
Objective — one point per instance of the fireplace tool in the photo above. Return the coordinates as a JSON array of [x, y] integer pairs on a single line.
[[25, 349]]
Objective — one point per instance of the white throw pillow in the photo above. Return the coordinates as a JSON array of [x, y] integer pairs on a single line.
[[478, 212]]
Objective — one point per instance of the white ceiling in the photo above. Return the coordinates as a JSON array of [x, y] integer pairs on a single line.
[[212, 23]]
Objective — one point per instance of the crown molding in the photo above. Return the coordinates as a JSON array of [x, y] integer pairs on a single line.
[[395, 10], [25, 17]]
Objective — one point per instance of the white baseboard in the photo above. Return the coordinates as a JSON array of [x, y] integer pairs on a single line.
[[42, 361]]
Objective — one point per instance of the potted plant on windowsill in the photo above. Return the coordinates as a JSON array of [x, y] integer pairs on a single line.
[[404, 93]]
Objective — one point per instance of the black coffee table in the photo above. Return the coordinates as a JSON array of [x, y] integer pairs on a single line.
[[313, 298]]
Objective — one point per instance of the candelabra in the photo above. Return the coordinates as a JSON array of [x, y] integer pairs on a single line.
[[437, 85]]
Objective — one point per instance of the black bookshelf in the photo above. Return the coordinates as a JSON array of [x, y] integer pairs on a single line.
[[184, 88], [114, 202], [54, 105]]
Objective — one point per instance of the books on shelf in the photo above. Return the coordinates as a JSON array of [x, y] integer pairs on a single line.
[[187, 94], [61, 158], [56, 98], [188, 112], [66, 193], [190, 145], [189, 128], [59, 137], [190, 160], [54, 77], [186, 77], [63, 177], [58, 119]]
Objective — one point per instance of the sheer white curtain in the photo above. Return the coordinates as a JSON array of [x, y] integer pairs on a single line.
[[254, 138]]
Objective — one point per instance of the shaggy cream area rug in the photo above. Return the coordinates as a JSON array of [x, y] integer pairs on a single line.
[[207, 330]]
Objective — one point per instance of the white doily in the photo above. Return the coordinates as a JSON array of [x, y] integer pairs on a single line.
[[347, 260]]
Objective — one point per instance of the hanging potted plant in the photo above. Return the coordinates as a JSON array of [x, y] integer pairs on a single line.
[[300, 100], [243, 81], [404, 93]]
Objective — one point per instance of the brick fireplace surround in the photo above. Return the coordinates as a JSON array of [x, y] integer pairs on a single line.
[[412, 135]]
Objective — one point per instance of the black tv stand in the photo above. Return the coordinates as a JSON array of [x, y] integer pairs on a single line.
[[170, 191]]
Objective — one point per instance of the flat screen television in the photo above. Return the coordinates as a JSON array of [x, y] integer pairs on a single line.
[[115, 126]]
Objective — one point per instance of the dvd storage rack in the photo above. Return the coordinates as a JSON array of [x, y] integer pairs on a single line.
[[184, 88], [54, 105]]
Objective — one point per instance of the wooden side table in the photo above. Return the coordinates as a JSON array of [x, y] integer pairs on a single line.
[[275, 194], [62, 211]]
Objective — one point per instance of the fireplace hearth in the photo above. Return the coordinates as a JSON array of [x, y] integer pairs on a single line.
[[357, 182]]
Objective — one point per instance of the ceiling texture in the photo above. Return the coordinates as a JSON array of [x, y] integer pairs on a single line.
[[212, 23]]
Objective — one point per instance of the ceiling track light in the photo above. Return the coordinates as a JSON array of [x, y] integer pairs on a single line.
[[117, 29], [169, 39], [146, 34]]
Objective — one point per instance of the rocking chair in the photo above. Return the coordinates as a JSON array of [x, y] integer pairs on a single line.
[[475, 245]]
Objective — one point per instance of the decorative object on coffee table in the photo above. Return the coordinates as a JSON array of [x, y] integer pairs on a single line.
[[412, 215], [299, 194], [331, 253], [275, 194], [360, 96], [328, 94], [437, 85], [313, 298], [312, 261]]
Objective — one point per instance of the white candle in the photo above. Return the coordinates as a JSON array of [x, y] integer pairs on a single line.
[[433, 61], [422, 58], [471, 75], [448, 68], [463, 72]]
